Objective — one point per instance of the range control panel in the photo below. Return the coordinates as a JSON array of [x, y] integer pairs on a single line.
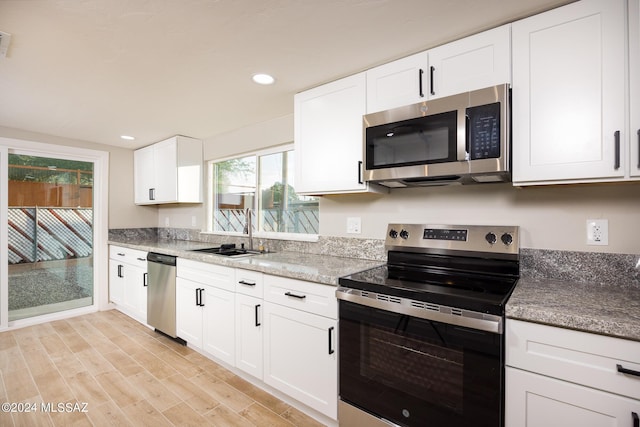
[[472, 238]]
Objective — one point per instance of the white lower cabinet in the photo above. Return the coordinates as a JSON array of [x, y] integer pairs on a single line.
[[300, 344], [300, 358], [128, 281], [188, 312], [249, 321], [279, 330], [249, 332], [538, 401], [205, 308], [218, 335], [560, 377]]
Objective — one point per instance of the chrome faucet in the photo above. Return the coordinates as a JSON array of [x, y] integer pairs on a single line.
[[249, 226]]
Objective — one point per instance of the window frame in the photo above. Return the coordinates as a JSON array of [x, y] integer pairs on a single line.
[[210, 199]]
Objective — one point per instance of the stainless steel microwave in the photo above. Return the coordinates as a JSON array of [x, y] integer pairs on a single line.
[[462, 139]]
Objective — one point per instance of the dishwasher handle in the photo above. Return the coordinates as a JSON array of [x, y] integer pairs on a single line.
[[161, 258]]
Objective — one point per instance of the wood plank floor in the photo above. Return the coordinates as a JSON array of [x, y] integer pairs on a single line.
[[128, 376]]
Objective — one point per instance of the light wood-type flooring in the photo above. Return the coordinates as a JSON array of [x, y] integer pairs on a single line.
[[127, 375]]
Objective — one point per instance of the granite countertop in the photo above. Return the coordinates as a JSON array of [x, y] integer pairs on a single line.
[[607, 310], [311, 267]]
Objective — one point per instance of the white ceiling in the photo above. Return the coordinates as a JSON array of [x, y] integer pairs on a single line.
[[96, 69]]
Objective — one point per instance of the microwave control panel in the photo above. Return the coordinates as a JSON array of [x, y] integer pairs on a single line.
[[484, 131]]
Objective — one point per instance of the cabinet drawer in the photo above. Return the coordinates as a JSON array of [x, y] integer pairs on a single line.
[[206, 274], [249, 282], [307, 296], [579, 357], [129, 256]]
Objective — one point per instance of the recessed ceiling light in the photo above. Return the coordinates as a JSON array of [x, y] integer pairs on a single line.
[[127, 137], [263, 79]]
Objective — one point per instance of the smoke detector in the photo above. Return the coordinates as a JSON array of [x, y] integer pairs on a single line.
[[5, 39]]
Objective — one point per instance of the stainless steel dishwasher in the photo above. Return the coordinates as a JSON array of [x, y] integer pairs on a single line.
[[161, 293]]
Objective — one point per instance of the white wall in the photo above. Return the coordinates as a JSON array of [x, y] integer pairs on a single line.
[[549, 217], [248, 139], [123, 213]]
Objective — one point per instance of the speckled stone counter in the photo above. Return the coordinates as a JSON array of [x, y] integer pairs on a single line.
[[608, 310], [304, 266]]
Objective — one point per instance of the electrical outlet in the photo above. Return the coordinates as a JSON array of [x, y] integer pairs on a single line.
[[354, 225], [598, 232], [166, 221]]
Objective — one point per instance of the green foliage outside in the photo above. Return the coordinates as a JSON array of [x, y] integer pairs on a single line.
[[53, 173]]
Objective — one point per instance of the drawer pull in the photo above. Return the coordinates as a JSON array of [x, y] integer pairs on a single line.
[[242, 282], [636, 420], [289, 294], [120, 254], [141, 259], [623, 370]]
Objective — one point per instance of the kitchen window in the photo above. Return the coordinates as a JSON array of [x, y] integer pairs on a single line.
[[261, 185]]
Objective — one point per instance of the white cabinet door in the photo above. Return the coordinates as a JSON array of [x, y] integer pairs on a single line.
[[538, 401], [471, 63], [300, 356], [134, 292], [219, 324], [568, 94], [634, 62], [116, 282], [188, 312], [169, 171], [249, 314], [166, 171], [144, 174], [328, 137], [398, 83]]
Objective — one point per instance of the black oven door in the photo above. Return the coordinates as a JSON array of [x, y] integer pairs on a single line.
[[417, 372]]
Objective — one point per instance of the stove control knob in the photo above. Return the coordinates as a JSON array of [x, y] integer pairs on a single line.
[[491, 237], [507, 239], [393, 233], [404, 234]]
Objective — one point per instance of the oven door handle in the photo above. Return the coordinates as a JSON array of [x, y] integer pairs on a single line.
[[464, 318]]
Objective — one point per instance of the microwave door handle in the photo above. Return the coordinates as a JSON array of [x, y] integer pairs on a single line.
[[467, 135]]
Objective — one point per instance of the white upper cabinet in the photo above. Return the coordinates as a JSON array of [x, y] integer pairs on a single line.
[[398, 83], [328, 137], [568, 94], [634, 61], [169, 171], [471, 63]]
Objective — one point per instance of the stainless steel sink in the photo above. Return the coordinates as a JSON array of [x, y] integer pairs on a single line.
[[228, 250]]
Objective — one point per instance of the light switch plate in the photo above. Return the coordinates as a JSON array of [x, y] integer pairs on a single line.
[[354, 225], [5, 40]]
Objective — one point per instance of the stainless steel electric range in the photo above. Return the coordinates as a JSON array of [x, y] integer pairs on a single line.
[[421, 338]]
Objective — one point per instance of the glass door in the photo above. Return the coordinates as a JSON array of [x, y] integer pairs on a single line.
[[50, 223]]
